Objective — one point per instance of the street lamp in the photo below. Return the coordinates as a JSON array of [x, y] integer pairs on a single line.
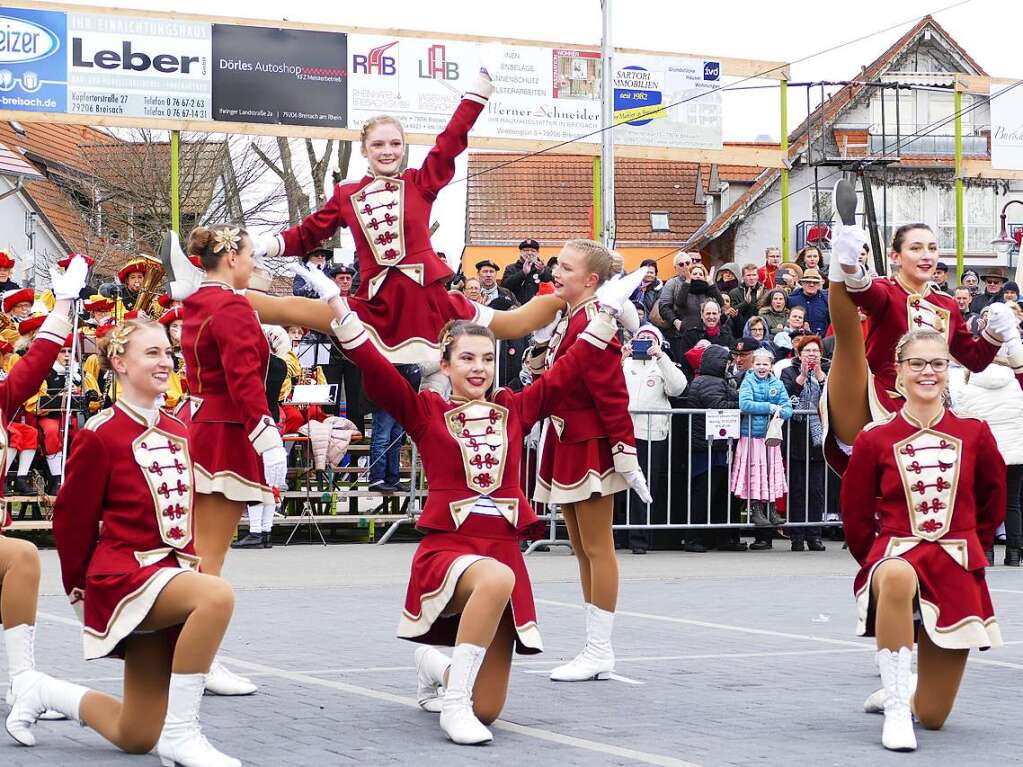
[[1004, 243]]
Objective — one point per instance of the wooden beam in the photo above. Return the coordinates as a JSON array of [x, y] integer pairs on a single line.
[[728, 155], [776, 70], [980, 84]]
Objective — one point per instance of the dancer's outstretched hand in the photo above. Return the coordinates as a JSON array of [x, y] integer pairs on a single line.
[[848, 246], [325, 287], [266, 245], [68, 285], [638, 484], [614, 294], [1001, 321]]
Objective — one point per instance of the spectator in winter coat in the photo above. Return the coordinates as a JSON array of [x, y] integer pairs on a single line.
[[815, 300], [941, 278], [775, 311], [681, 262], [651, 379], [1010, 292], [788, 277], [687, 300], [712, 389], [314, 259], [727, 277], [994, 396], [523, 277], [649, 291], [746, 298], [994, 278], [810, 258], [971, 280], [767, 273], [710, 328]]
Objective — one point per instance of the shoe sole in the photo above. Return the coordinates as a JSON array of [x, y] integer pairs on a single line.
[[844, 197], [166, 248], [603, 676]]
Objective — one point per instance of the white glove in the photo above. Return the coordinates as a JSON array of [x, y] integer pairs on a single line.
[[614, 294], [638, 484], [1001, 322], [484, 85], [848, 246], [275, 466], [325, 286], [266, 245], [280, 341], [68, 285], [543, 335]]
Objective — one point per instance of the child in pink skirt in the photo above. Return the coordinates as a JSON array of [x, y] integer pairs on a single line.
[[758, 472]]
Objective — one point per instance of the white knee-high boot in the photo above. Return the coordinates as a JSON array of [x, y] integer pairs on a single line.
[[597, 660], [896, 675], [431, 665], [457, 718], [20, 643], [182, 742], [34, 693]]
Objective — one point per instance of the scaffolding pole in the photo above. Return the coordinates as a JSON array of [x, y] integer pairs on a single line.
[[784, 171]]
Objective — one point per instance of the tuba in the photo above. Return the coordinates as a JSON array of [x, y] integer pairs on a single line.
[[150, 284]]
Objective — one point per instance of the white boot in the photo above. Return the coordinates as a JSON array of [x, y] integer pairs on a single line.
[[431, 665], [597, 660], [457, 718], [182, 741], [20, 643], [896, 671], [222, 681], [874, 704], [183, 277], [34, 693]]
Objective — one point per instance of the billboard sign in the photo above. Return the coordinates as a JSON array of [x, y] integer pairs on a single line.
[[1006, 128], [33, 70]]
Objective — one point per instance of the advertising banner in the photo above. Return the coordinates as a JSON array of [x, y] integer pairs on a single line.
[[1007, 128], [126, 66], [33, 65], [286, 76]]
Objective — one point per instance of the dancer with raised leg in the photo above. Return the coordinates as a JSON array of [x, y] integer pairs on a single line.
[[19, 560], [863, 372], [402, 298], [922, 497], [135, 585], [587, 454], [469, 586]]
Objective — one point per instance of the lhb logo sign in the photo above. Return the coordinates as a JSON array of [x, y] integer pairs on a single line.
[[437, 66]]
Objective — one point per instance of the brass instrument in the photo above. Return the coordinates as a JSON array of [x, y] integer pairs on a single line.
[[150, 285]]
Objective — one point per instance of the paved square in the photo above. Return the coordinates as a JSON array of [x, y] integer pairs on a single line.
[[723, 659]]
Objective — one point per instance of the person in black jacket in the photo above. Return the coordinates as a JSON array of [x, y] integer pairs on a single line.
[[712, 389], [524, 276], [710, 328], [683, 311]]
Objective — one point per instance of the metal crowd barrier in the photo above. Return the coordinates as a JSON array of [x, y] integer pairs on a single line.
[[684, 500]]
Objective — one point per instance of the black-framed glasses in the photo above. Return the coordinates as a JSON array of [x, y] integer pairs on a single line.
[[917, 364]]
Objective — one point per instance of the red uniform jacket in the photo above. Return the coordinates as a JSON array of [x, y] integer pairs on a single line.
[[390, 217], [935, 485], [597, 404], [473, 449], [226, 356], [894, 311], [24, 380], [137, 480]]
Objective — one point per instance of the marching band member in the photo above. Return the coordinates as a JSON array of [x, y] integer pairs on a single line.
[[922, 497], [469, 586], [132, 276], [6, 266], [238, 452], [19, 560], [100, 309], [863, 374], [136, 586], [588, 453], [388, 213], [23, 421], [17, 307], [177, 387]]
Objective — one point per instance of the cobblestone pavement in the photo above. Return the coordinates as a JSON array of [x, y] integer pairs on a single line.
[[723, 659]]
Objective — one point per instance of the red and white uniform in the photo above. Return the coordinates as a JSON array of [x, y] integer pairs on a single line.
[[401, 297], [589, 441], [131, 471], [21, 383], [226, 356], [933, 495], [893, 310], [471, 453]]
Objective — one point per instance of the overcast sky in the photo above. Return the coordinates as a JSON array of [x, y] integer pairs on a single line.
[[988, 29]]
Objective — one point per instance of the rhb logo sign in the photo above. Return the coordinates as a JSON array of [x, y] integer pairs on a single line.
[[711, 70], [376, 62], [22, 41]]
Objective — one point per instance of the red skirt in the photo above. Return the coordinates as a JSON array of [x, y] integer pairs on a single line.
[[439, 562], [116, 604], [575, 471], [412, 333], [952, 604], [23, 436], [226, 463]]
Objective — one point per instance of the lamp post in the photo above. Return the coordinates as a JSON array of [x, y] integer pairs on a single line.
[[1003, 243]]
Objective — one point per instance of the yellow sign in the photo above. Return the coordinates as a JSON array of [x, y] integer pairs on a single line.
[[653, 112]]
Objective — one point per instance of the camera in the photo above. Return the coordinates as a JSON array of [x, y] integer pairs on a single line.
[[641, 348]]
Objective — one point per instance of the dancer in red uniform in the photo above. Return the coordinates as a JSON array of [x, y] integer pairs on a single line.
[[136, 585], [862, 378], [388, 212], [922, 497], [587, 454], [469, 586], [238, 452], [19, 560]]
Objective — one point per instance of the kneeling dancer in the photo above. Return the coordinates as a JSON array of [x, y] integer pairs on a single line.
[[469, 587], [136, 585], [922, 496]]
